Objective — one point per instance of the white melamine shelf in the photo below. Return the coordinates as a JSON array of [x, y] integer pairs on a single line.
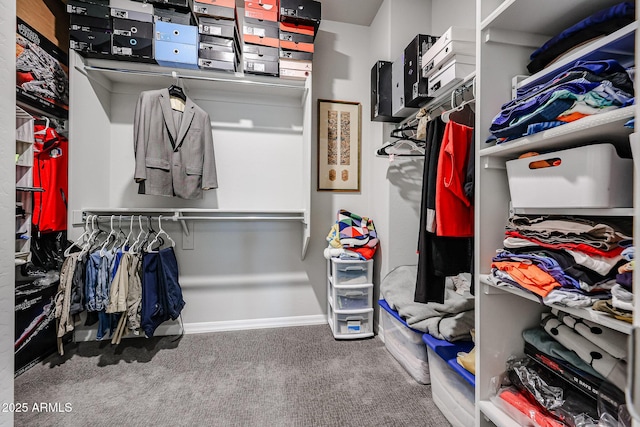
[[194, 80], [598, 317], [575, 211], [496, 415], [605, 127], [550, 16]]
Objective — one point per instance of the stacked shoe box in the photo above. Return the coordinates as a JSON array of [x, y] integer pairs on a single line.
[[132, 29], [261, 37], [409, 89], [90, 27], [120, 29], [219, 41], [299, 22], [449, 60], [176, 45]]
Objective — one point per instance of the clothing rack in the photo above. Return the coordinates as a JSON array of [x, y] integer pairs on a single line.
[[459, 92], [183, 216]]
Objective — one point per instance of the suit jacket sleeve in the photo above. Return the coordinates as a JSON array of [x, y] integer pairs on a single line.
[[140, 132], [209, 174]]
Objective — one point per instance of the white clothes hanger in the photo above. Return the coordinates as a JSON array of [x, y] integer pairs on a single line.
[[112, 234], [158, 234], [46, 126], [79, 241], [446, 116], [95, 230], [133, 249], [128, 238]]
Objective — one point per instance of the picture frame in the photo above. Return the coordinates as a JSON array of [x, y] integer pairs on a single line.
[[339, 140]]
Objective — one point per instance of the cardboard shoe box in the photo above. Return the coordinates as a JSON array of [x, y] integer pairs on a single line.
[[138, 47], [135, 6], [173, 15], [225, 9], [292, 64], [209, 56], [131, 14], [286, 73], [454, 49], [254, 66], [261, 59], [307, 12], [180, 55], [131, 28], [217, 27], [464, 39], [90, 41], [295, 41], [261, 53], [299, 28], [381, 110], [88, 9], [89, 23], [266, 10], [294, 54], [222, 44], [448, 76], [415, 86], [176, 33], [264, 33]]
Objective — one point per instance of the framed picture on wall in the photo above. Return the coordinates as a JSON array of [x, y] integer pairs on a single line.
[[339, 129]]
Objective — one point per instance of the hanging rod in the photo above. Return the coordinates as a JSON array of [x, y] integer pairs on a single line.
[[190, 77]]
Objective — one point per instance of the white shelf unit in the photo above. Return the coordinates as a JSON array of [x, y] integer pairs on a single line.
[[262, 125], [508, 32], [236, 265], [24, 179], [350, 298]]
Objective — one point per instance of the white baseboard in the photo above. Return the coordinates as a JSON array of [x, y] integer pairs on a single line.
[[170, 328], [236, 325]]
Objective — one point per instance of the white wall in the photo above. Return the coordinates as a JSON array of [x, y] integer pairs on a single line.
[[7, 207]]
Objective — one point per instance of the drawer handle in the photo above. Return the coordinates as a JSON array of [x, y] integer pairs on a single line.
[[354, 269], [548, 163]]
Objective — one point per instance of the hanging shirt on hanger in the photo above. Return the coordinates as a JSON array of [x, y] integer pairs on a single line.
[[51, 174]]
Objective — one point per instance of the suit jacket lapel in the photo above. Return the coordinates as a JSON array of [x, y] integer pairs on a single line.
[[187, 118], [165, 104]]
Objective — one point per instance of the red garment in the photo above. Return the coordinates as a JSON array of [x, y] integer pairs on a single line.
[[454, 212], [50, 172], [536, 413], [581, 247]]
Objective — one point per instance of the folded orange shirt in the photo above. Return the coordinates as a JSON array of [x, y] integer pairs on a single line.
[[529, 276]]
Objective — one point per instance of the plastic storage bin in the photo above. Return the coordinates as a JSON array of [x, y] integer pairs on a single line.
[[452, 387], [351, 297], [351, 272], [404, 344], [592, 176], [351, 324]]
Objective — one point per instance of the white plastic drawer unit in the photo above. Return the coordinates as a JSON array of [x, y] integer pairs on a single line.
[[351, 297], [593, 176], [351, 323], [351, 272]]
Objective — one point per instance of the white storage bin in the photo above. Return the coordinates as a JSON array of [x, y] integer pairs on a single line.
[[351, 272], [405, 345], [453, 395], [593, 176], [351, 324], [351, 297]]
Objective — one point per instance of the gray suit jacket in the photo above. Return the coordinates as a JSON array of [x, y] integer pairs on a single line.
[[182, 169]]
